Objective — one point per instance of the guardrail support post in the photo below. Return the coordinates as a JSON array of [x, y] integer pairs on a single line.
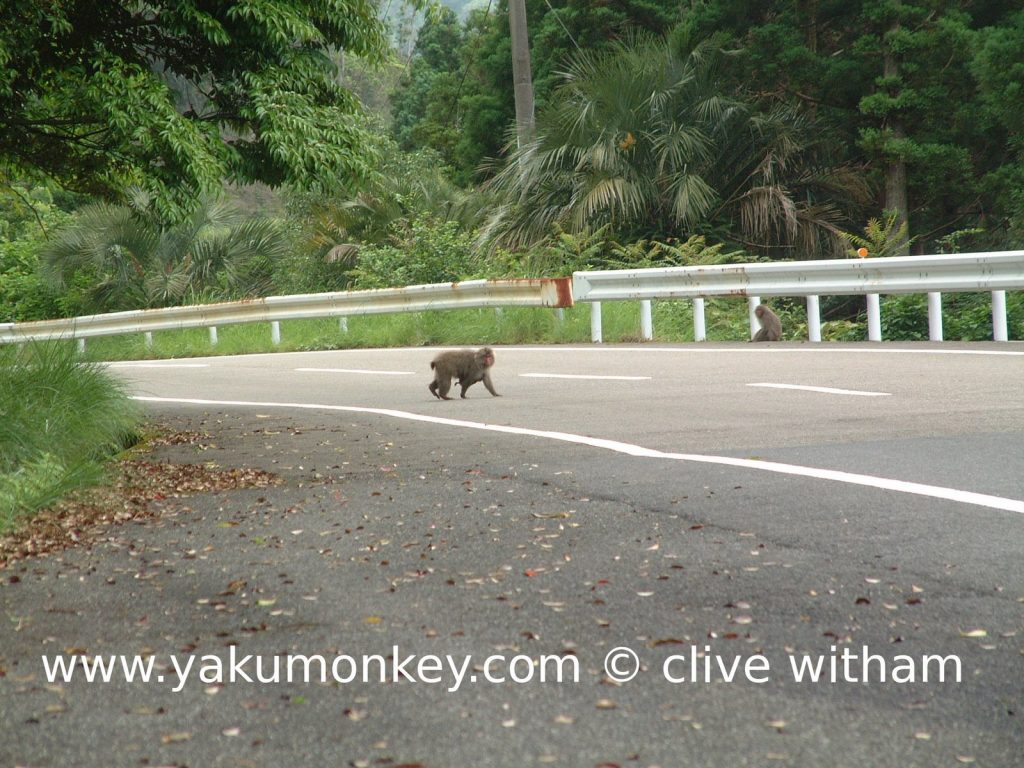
[[752, 302], [999, 316], [343, 324], [595, 322], [813, 319], [148, 336], [700, 332], [646, 325], [275, 332], [874, 318], [213, 335], [935, 316], [81, 346]]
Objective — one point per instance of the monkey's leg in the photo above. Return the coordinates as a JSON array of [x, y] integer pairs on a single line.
[[443, 386], [490, 387]]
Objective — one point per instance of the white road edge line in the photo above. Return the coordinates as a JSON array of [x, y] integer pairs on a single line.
[[355, 370], [900, 486], [826, 390], [583, 376]]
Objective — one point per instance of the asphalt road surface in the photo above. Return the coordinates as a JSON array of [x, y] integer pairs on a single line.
[[727, 555]]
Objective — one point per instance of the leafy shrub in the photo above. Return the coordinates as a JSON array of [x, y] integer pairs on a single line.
[[428, 252], [28, 215], [23, 293], [965, 317]]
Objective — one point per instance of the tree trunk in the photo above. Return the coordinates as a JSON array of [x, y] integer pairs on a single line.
[[521, 78], [896, 167]]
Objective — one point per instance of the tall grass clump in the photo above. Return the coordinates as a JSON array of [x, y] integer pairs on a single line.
[[60, 420]]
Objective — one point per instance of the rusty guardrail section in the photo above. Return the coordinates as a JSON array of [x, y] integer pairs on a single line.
[[543, 292]]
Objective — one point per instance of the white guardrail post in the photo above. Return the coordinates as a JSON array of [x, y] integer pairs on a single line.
[[755, 326], [874, 318], [948, 273], [813, 319], [646, 324], [595, 322], [934, 316], [999, 316], [700, 332]]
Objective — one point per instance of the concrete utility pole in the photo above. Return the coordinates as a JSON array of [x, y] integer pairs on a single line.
[[521, 78]]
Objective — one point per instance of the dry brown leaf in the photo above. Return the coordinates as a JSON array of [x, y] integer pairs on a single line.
[[172, 738]]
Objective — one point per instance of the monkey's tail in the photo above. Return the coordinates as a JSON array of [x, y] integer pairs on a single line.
[[431, 365]]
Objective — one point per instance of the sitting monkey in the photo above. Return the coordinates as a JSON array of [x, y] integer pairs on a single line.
[[771, 326]]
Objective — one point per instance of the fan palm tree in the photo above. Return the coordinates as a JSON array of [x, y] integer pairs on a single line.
[[132, 261], [643, 139]]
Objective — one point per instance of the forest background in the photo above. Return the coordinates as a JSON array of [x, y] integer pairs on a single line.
[[153, 155]]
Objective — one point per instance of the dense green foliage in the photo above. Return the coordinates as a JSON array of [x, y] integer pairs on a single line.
[[457, 95], [897, 88], [126, 259], [642, 138], [27, 215], [665, 134], [62, 419], [407, 193], [429, 252], [176, 97], [917, 103]]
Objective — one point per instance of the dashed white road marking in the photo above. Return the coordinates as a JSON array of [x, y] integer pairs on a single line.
[[355, 370], [900, 486], [826, 390], [158, 365], [583, 376]]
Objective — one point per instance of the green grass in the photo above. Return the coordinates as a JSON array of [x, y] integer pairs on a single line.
[[966, 317], [60, 420], [673, 322]]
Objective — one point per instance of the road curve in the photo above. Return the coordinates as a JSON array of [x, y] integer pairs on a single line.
[[688, 530]]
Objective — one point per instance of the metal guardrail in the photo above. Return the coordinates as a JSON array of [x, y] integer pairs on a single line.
[[544, 292], [995, 272], [833, 277]]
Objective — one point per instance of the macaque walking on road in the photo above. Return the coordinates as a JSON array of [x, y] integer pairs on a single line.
[[466, 366]]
